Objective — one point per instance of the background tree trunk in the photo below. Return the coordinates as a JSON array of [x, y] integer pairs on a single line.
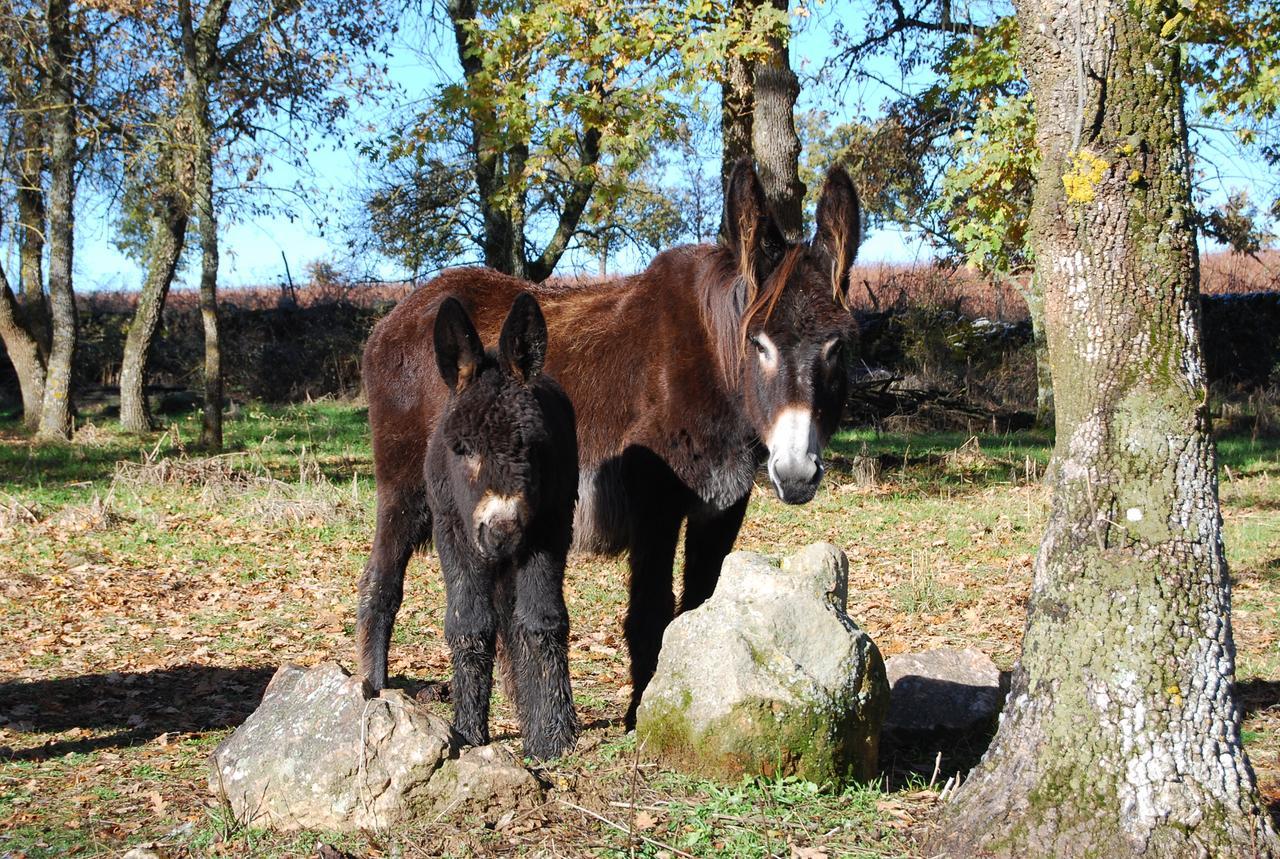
[[1034, 296], [24, 353], [168, 233], [211, 431], [31, 228], [1121, 735], [736, 108], [773, 135], [55, 414]]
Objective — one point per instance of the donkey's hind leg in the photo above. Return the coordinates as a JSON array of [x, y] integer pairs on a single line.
[[404, 522], [708, 537], [539, 651]]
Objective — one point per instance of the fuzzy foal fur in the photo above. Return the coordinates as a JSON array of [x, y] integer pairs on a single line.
[[501, 482], [679, 375]]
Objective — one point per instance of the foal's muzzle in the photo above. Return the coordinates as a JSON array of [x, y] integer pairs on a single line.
[[499, 524]]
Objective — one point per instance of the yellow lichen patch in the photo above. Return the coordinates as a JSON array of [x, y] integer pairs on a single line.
[[1082, 178]]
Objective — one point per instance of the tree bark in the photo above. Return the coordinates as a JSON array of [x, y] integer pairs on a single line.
[[201, 69], [24, 354], [1121, 735], [736, 107], [1040, 346], [55, 413], [773, 135], [211, 431], [31, 227], [168, 233]]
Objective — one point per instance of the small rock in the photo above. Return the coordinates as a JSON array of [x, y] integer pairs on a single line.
[[769, 676], [943, 690], [321, 753], [142, 851], [487, 782]]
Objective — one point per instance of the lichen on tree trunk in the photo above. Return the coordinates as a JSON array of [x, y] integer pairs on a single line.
[[1121, 735]]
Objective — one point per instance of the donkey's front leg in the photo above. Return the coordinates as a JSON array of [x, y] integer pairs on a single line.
[[470, 627], [539, 653], [709, 536]]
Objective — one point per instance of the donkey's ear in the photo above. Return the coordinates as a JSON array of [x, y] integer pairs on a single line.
[[522, 347], [750, 231], [458, 348], [839, 229]]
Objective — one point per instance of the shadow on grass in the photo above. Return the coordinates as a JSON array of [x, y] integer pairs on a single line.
[[133, 707], [1256, 695]]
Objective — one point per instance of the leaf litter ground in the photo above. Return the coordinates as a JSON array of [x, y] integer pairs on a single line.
[[149, 593]]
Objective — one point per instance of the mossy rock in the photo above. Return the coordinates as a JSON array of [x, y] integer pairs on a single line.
[[769, 677]]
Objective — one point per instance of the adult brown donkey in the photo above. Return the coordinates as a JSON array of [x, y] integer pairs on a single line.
[[685, 379]]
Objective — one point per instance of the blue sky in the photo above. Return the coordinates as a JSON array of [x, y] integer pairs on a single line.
[[252, 246]]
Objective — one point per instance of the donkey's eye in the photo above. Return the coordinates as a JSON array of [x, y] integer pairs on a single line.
[[831, 349], [760, 347]]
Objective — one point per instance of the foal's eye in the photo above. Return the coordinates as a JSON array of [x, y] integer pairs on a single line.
[[831, 349], [472, 464]]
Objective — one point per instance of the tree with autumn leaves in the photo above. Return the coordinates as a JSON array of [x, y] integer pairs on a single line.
[[179, 103]]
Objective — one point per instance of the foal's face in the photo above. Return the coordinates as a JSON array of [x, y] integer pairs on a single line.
[[795, 326], [492, 427]]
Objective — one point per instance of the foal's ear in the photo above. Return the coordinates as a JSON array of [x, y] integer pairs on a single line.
[[749, 229], [522, 347], [839, 229], [458, 348]]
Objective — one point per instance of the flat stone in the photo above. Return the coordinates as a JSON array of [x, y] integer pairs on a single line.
[[770, 676], [320, 752], [943, 690]]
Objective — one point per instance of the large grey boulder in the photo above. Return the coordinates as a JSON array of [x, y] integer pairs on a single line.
[[321, 753], [769, 676], [943, 690]]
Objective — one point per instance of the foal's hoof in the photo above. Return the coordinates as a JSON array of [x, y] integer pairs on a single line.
[[549, 751], [553, 744]]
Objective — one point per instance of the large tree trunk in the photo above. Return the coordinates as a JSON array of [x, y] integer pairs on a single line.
[[55, 414], [168, 232], [773, 135], [1121, 735], [24, 354]]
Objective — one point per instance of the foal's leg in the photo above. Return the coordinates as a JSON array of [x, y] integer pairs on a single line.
[[708, 537], [470, 627], [652, 604], [404, 522], [504, 604], [539, 653]]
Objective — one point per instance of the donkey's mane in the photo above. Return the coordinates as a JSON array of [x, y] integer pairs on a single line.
[[731, 303]]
